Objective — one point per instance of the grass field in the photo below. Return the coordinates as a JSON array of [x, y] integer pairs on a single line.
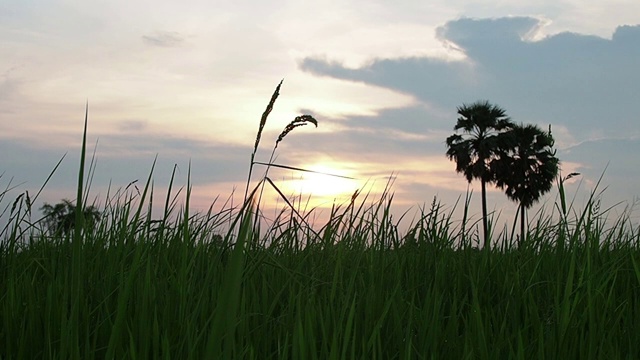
[[355, 289], [218, 286]]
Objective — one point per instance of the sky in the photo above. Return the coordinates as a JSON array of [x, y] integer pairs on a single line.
[[188, 81]]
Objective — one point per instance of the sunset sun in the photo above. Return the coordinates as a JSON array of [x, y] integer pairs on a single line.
[[327, 181]]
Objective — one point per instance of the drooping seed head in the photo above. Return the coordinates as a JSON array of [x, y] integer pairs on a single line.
[[297, 122]]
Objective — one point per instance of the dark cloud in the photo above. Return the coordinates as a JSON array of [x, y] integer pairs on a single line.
[[429, 79], [392, 133], [628, 36], [164, 39], [614, 159], [489, 34], [121, 159], [215, 162], [586, 83]]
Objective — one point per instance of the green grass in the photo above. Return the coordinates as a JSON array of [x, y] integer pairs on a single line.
[[355, 289], [223, 286]]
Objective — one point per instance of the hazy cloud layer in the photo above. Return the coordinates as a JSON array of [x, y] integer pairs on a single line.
[[122, 159], [164, 39]]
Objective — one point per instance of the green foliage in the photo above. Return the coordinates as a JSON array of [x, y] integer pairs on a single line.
[[61, 217]]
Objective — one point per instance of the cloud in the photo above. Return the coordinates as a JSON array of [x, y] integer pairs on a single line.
[[133, 125], [9, 89], [468, 32], [583, 82], [124, 158], [165, 39], [616, 155], [392, 133]]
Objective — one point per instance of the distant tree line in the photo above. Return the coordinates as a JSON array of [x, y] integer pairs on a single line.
[[519, 159]]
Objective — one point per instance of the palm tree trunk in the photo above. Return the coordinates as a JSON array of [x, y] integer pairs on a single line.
[[522, 216], [487, 241]]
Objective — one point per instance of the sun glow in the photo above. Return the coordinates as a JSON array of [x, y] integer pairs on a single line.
[[323, 183]]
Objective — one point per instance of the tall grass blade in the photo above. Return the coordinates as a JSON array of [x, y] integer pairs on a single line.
[[302, 170]]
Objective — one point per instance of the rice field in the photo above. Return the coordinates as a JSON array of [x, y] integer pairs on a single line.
[[227, 285], [355, 289]]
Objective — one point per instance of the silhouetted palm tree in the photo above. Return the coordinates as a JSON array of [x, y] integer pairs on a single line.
[[527, 167], [482, 125], [61, 217]]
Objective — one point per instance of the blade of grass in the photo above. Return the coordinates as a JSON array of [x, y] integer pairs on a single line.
[[302, 170]]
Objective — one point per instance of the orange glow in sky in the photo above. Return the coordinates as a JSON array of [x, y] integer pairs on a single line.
[[322, 183]]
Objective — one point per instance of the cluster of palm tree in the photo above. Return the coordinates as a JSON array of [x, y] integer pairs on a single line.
[[517, 158]]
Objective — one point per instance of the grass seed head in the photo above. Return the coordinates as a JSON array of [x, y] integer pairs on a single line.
[[298, 121], [266, 113]]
